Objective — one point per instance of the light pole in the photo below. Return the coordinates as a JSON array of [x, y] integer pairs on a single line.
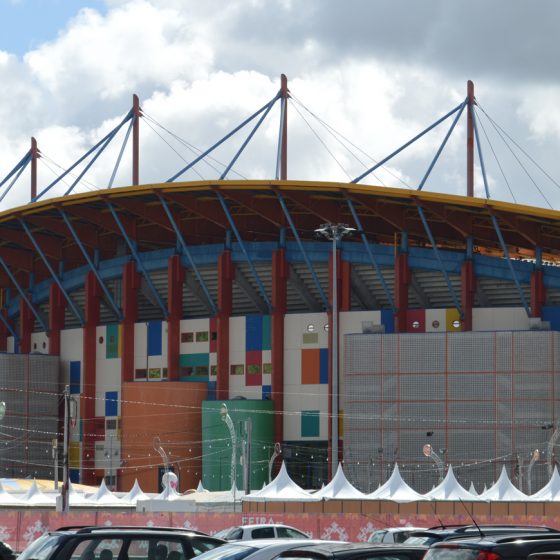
[[428, 451], [334, 232], [550, 446], [277, 451], [227, 419]]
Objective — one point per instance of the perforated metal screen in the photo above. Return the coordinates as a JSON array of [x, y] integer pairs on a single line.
[[479, 399]]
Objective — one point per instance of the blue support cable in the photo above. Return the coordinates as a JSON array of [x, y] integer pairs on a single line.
[[283, 103], [398, 150], [243, 249], [17, 176], [119, 158], [138, 260], [479, 150], [91, 150], [22, 162], [23, 295], [510, 266], [438, 153], [302, 249], [495, 222], [92, 267], [371, 255], [93, 159], [248, 139], [55, 277], [187, 252], [219, 142], [438, 257], [9, 327]]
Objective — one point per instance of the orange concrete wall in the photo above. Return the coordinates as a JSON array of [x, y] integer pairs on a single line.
[[172, 411]]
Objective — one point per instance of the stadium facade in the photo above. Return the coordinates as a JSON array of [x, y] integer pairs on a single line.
[[158, 298]]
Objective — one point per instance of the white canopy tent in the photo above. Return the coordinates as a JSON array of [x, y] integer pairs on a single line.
[[503, 490], [449, 489], [396, 489], [104, 497], [34, 497], [282, 489], [551, 491], [339, 488]]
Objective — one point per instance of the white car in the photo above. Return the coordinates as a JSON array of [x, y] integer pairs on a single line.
[[262, 531], [393, 534], [261, 549]]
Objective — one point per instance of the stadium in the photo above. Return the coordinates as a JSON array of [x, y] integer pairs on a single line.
[[349, 322]]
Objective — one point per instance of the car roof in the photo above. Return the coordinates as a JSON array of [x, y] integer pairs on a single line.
[[280, 542], [341, 548], [259, 525], [495, 539]]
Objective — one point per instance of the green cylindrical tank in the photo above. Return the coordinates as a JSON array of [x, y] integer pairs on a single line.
[[217, 440]]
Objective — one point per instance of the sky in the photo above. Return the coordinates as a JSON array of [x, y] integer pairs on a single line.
[[365, 76]]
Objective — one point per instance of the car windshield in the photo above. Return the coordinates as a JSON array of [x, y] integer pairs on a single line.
[[424, 539], [454, 553], [377, 536], [290, 533], [41, 548], [229, 534], [229, 552]]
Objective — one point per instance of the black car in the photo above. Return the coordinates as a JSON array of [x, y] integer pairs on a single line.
[[120, 543], [496, 547], [6, 552], [445, 533], [355, 551]]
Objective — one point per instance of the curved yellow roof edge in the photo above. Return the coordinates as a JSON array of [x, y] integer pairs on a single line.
[[266, 185]]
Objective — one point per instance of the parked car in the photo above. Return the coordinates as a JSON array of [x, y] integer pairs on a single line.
[[118, 542], [496, 547], [355, 551], [445, 533], [393, 534], [261, 531], [6, 552], [260, 549]]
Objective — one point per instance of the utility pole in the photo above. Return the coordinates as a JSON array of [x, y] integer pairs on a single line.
[[247, 456], [55, 457], [65, 479]]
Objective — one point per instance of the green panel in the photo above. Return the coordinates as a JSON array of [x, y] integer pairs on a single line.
[[309, 423], [112, 342], [193, 360], [266, 332], [216, 442]]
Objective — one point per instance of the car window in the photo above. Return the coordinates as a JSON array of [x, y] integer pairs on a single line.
[[41, 548], [97, 549], [232, 534], [289, 533], [200, 546], [400, 536], [229, 552], [155, 549], [452, 554], [421, 540], [263, 533], [377, 536]]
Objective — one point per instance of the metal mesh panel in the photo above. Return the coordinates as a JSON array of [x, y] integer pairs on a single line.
[[480, 399]]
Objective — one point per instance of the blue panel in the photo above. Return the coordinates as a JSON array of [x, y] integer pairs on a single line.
[[75, 476], [211, 391], [253, 333], [323, 366], [266, 392], [154, 338], [552, 314], [111, 403], [388, 320], [75, 377]]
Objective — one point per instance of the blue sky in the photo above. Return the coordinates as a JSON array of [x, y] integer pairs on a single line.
[[25, 24]]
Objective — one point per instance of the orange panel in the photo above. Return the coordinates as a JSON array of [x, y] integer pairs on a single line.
[[310, 366], [172, 412]]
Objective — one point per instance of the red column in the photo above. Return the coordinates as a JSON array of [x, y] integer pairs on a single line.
[[538, 293], [468, 287], [402, 280], [280, 274], [225, 279], [175, 282], [93, 297], [345, 300], [57, 305], [26, 322], [130, 285]]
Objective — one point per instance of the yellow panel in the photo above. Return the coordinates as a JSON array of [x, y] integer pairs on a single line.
[[74, 455], [452, 315]]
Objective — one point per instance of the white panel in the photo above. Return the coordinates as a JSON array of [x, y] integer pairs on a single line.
[[71, 345], [500, 319], [304, 397], [296, 325], [436, 320], [164, 331], [39, 343], [10, 346], [140, 345], [100, 348], [194, 326], [237, 337]]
